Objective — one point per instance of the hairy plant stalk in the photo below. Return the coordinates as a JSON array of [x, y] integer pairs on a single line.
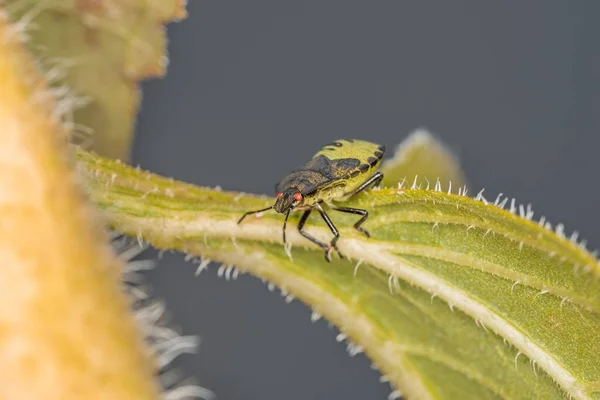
[[65, 328]]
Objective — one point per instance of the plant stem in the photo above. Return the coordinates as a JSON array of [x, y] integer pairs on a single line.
[[65, 328]]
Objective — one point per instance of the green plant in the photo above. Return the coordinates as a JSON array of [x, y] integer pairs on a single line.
[[451, 297]]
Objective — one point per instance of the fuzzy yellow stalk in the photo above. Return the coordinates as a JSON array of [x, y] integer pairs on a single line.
[[65, 329]]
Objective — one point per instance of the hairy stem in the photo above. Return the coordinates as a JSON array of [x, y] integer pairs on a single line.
[[65, 328]]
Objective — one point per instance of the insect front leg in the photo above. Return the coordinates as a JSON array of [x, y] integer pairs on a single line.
[[324, 246], [357, 211], [336, 233]]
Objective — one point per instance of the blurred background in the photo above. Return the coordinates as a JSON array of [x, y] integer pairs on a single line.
[[254, 88]]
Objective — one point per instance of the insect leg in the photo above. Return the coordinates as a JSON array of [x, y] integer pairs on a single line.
[[357, 211], [306, 235], [336, 233], [287, 215], [253, 212], [375, 180]]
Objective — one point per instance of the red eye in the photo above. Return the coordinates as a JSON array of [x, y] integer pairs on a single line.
[[298, 196], [279, 195]]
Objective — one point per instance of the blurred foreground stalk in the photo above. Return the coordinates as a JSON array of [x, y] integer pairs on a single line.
[[65, 328]]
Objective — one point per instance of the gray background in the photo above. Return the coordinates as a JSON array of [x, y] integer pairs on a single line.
[[513, 88]]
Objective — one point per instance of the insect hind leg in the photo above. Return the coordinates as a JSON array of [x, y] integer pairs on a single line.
[[375, 180], [357, 211]]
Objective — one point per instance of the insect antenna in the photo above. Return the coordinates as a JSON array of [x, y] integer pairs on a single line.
[[285, 224], [253, 212]]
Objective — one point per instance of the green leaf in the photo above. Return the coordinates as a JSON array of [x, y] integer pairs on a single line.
[[423, 161], [452, 297], [99, 50]]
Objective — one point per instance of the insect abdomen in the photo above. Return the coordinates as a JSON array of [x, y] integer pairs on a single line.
[[369, 156]]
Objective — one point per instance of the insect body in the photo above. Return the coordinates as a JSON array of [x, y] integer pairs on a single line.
[[336, 173]]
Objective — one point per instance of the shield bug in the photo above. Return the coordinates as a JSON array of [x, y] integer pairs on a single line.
[[337, 172]]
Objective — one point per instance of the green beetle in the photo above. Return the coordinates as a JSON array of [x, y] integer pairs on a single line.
[[336, 173]]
